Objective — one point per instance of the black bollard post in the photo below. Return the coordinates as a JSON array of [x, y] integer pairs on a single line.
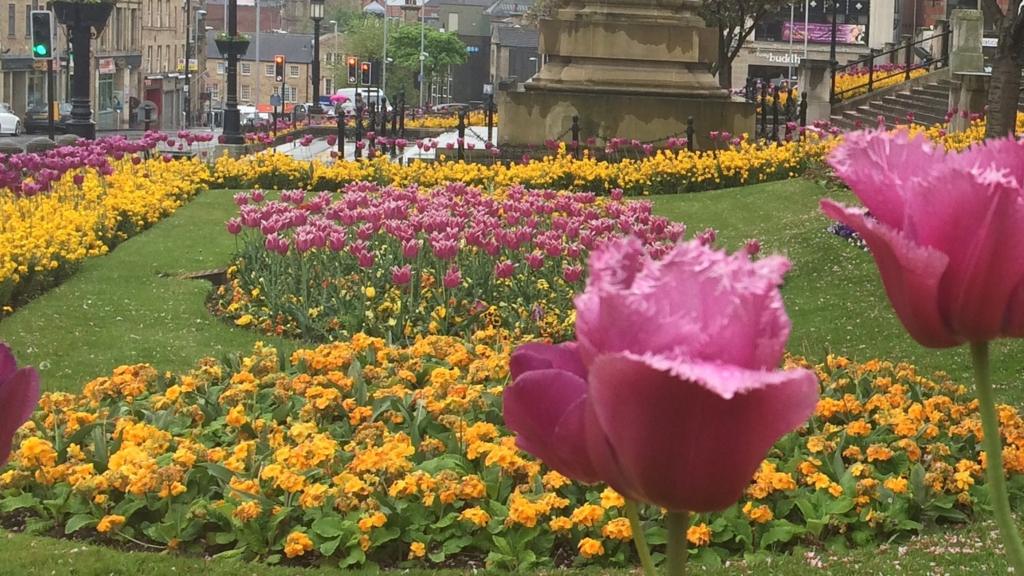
[[490, 117], [461, 143], [359, 129], [764, 110], [401, 114], [372, 120], [690, 145], [576, 137], [775, 114], [394, 132], [341, 135]]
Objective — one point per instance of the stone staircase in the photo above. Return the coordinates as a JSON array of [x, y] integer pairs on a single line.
[[928, 103]]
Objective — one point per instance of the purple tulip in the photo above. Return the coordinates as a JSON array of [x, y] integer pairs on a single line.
[[401, 275], [681, 414], [234, 226], [452, 277], [504, 269], [19, 394]]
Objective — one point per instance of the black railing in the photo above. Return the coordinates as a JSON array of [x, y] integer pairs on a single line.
[[778, 112], [878, 73]]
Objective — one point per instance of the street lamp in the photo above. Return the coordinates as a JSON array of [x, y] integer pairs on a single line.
[[316, 12]]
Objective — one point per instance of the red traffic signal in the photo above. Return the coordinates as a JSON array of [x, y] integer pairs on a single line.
[[279, 67], [352, 64], [364, 70]]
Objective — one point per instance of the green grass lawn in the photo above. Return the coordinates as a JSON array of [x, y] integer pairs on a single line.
[[130, 307]]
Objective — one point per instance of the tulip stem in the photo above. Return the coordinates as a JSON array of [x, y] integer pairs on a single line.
[[639, 539], [678, 524], [992, 443]]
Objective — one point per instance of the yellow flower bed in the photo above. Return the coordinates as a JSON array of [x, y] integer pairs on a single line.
[[665, 171], [357, 452], [473, 118], [43, 236], [855, 83]]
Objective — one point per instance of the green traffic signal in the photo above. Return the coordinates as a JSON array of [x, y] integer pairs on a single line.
[[42, 34]]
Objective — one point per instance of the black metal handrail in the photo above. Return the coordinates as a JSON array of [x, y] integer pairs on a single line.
[[908, 64]]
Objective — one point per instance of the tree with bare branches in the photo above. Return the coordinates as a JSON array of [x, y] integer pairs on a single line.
[[1004, 90]]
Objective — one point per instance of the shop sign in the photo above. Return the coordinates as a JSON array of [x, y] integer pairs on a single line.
[[784, 58], [821, 33], [106, 66]]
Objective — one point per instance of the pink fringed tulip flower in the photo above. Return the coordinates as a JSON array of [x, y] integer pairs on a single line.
[[681, 413], [19, 393], [946, 230]]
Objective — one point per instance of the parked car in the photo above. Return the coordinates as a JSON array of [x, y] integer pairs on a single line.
[[10, 123], [37, 120], [451, 107], [372, 94]]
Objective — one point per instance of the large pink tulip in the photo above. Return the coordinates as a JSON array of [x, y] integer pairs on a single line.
[[19, 393], [672, 393], [946, 230]]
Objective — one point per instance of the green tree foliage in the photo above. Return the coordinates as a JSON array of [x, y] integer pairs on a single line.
[[735, 21], [443, 49]]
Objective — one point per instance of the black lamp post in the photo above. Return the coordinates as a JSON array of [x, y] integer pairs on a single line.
[[82, 18], [232, 46], [316, 12], [832, 45]]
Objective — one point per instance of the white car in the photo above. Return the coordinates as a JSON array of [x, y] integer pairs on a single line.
[[369, 95], [9, 121]]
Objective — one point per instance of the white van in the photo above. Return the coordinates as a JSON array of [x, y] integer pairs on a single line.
[[370, 94]]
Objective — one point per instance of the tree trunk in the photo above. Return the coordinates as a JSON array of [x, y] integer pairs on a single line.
[[1003, 93], [724, 69]]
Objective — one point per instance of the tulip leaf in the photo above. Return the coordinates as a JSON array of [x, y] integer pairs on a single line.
[[781, 531], [329, 527], [77, 522], [17, 503]]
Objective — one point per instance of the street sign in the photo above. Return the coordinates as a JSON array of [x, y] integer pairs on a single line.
[[275, 100], [488, 89]]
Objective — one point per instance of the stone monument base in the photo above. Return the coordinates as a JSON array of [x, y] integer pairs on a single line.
[[232, 150], [533, 116]]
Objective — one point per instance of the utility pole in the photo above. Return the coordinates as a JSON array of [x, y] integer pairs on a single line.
[[188, 46]]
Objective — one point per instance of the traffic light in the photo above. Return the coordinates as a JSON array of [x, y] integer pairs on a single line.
[[352, 65], [364, 71], [279, 68], [42, 34]]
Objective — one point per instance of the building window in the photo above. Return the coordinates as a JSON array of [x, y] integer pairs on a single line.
[[453, 22], [246, 94], [149, 59], [221, 67], [293, 70], [12, 14], [268, 69], [245, 68], [28, 20], [290, 93], [329, 85], [159, 59]]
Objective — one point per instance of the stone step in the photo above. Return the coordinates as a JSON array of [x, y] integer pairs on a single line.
[[928, 98], [916, 106], [896, 111]]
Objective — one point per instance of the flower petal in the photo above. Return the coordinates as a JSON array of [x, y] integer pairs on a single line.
[[7, 363], [911, 274], [975, 216], [884, 169], [545, 410], [695, 302], [696, 449], [19, 395], [538, 356]]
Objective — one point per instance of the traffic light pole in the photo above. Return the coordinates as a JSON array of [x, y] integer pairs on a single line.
[[49, 97]]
